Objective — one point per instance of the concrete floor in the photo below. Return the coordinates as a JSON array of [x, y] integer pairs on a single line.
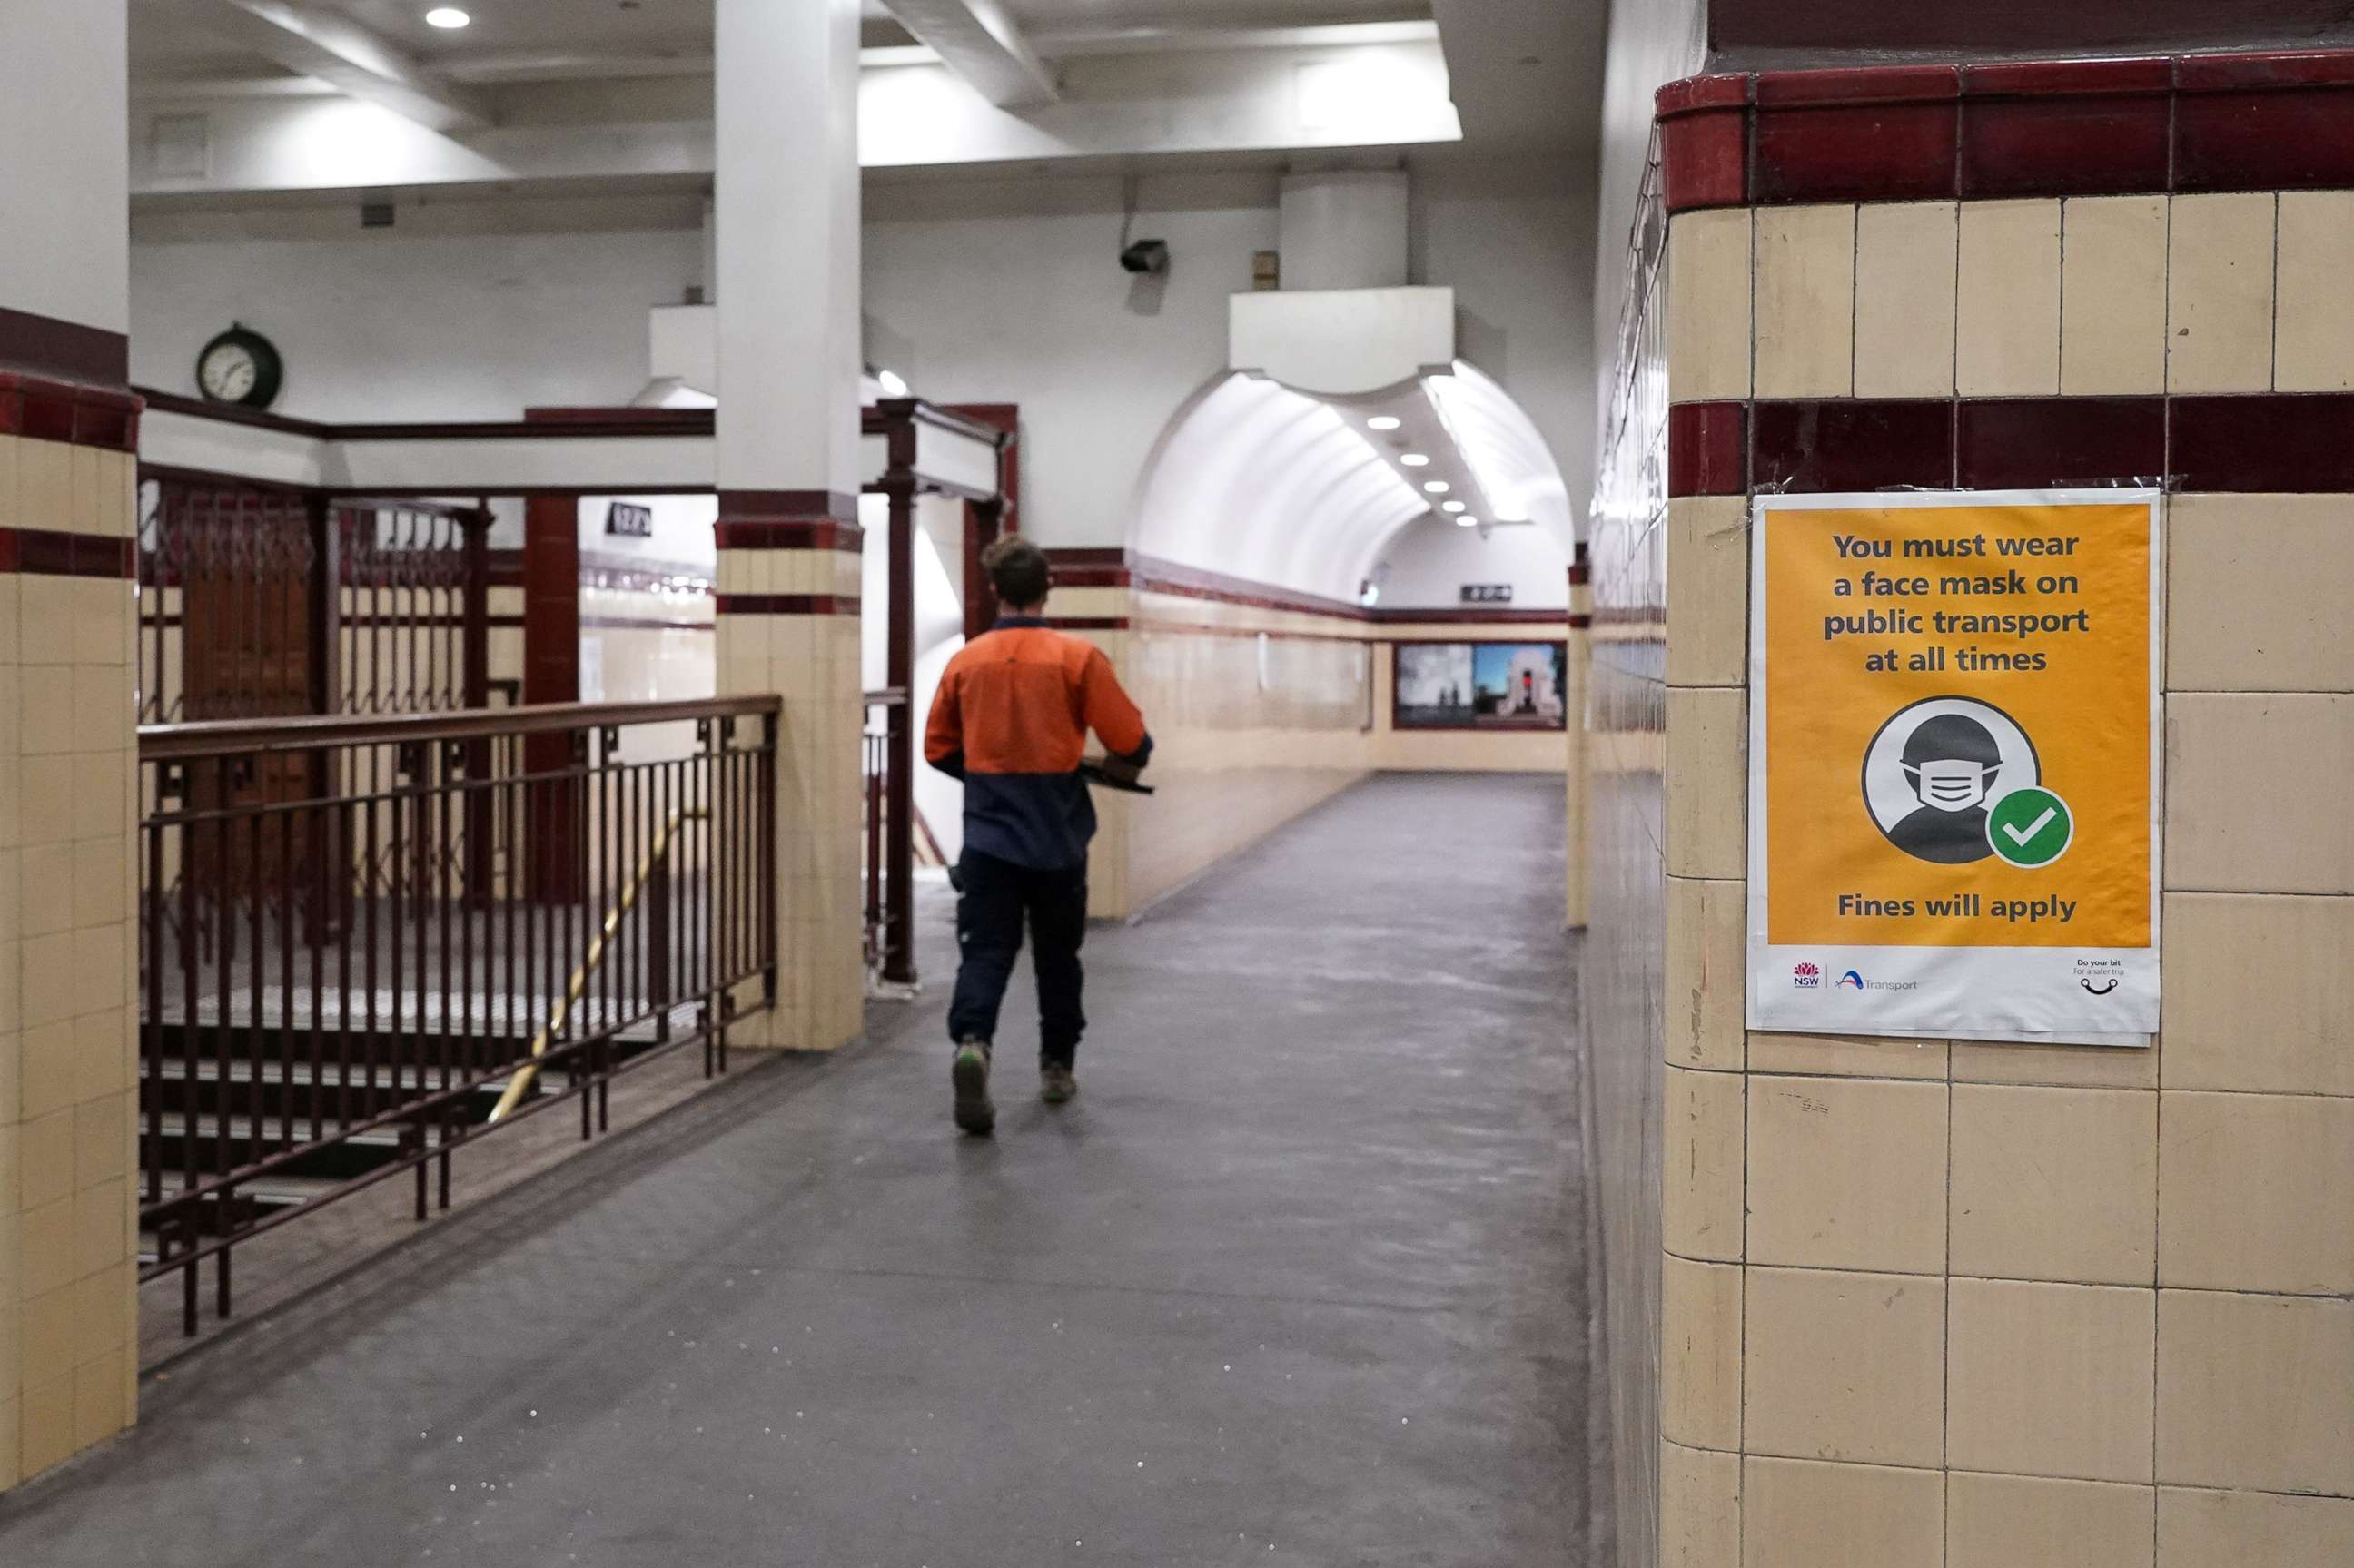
[[1298, 1279]]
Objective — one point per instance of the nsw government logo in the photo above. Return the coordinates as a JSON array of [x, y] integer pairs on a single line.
[[1807, 977]]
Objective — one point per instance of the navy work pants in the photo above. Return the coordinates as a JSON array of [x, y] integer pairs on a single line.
[[994, 897]]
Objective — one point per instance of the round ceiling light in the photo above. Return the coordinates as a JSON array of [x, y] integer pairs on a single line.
[[1414, 459], [1436, 486], [448, 17], [1383, 423]]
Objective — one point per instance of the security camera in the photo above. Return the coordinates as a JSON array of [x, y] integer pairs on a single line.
[[1145, 256]]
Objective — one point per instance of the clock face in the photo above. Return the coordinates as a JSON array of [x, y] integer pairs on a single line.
[[240, 366], [228, 372]]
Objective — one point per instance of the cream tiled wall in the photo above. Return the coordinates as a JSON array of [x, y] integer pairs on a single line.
[[1236, 758], [1961, 1305], [812, 662], [67, 1093]]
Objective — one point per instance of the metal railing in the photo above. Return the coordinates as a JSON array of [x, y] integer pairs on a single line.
[[876, 769], [358, 936]]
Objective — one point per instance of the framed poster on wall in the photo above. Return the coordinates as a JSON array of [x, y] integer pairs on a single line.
[[1956, 747], [1481, 685]]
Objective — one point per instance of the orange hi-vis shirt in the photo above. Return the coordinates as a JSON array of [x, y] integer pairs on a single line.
[[1010, 719]]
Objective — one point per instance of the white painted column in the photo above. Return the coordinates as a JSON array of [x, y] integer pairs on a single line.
[[786, 227], [69, 951]]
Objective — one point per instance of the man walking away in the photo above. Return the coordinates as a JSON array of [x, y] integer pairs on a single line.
[[1010, 719]]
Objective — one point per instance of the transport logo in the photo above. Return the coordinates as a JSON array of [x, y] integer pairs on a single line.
[[1850, 982]]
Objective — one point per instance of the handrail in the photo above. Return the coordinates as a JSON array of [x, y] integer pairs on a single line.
[[578, 985], [213, 738]]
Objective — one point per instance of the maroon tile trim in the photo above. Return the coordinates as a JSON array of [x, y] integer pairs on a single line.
[[1817, 447], [786, 603], [2265, 443], [43, 552], [740, 533], [1865, 84], [1708, 446], [1721, 90], [2193, 123], [2037, 442], [2304, 67], [1704, 159], [60, 350], [1871, 148], [1091, 577], [2264, 138], [84, 415], [1085, 622], [1580, 621]]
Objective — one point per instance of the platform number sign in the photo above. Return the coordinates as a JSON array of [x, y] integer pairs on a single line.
[[629, 521], [1487, 593]]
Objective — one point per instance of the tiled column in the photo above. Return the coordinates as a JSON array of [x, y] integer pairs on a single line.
[[1957, 1303], [787, 220], [68, 1322]]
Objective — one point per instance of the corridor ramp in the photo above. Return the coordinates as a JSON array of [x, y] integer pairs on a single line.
[[1298, 1279]]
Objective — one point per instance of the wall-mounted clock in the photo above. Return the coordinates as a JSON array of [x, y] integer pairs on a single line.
[[240, 366]]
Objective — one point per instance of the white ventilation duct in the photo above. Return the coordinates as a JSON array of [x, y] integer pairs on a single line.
[[1342, 230]]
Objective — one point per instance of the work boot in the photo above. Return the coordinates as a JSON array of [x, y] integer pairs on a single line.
[[1057, 1084], [970, 1074]]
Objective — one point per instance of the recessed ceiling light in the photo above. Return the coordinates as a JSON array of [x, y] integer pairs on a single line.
[[1383, 423], [1467, 521], [1414, 459], [1452, 506], [447, 16], [1436, 486]]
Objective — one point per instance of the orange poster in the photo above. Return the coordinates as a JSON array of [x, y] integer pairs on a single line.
[[1953, 770]]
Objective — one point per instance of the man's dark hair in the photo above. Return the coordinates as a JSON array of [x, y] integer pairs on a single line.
[[1017, 570]]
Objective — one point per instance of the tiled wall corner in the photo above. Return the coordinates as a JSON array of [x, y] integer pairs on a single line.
[[1700, 1353], [1905, 260], [2007, 304], [1708, 591], [68, 962], [1708, 304], [1805, 302], [1701, 1164], [1700, 1507], [2219, 294], [1707, 951], [1707, 783]]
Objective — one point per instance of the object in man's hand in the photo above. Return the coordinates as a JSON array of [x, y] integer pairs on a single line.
[[1113, 774]]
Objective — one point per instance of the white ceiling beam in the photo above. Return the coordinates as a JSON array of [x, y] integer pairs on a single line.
[[356, 61], [980, 42]]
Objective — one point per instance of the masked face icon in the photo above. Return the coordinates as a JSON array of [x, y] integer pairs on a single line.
[[1952, 784]]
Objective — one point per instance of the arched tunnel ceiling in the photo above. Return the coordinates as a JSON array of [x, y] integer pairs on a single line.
[[1256, 481]]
